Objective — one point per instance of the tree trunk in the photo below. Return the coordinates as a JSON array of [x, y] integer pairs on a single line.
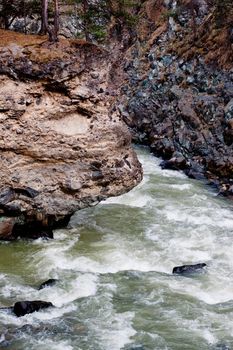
[[44, 17], [85, 20], [4, 11], [24, 18], [56, 20], [45, 28], [6, 22]]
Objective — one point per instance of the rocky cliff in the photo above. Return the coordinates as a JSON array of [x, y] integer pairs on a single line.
[[178, 91], [62, 149], [63, 143]]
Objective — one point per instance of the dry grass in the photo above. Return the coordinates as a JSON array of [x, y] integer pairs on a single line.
[[211, 43], [8, 37], [40, 50]]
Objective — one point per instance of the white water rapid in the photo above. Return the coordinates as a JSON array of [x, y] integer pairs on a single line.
[[114, 265]]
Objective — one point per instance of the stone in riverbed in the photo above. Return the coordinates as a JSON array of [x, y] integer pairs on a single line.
[[22, 308], [188, 269], [11, 229], [49, 283], [221, 347], [175, 163], [32, 231]]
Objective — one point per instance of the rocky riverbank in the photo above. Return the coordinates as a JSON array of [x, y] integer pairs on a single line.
[[61, 147]]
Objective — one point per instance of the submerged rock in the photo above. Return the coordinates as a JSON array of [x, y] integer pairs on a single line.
[[7, 308], [49, 283], [188, 269], [22, 308], [221, 346]]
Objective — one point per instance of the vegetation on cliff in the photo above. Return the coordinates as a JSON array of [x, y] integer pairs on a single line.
[[92, 16]]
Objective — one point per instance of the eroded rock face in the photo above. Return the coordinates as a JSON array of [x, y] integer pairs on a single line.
[[61, 148], [182, 107]]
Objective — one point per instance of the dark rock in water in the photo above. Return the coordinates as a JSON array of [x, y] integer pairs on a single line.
[[186, 269], [22, 308], [48, 283], [175, 163], [11, 229], [221, 347], [32, 231], [195, 174]]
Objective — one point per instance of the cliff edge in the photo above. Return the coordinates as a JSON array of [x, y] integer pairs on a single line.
[[61, 147]]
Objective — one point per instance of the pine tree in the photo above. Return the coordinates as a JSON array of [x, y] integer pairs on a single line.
[[9, 10]]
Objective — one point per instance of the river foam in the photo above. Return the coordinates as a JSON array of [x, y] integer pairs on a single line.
[[114, 264]]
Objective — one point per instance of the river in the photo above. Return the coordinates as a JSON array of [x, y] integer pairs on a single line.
[[114, 265]]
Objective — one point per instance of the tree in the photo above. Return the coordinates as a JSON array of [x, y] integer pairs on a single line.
[[45, 27], [44, 17], [95, 15], [125, 10], [91, 15], [12, 9], [86, 14], [9, 11]]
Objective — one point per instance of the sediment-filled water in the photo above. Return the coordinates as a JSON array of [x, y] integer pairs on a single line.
[[114, 264]]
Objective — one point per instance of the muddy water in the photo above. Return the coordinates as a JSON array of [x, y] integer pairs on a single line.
[[114, 265]]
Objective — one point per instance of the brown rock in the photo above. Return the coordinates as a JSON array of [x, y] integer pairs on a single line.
[[6, 227], [65, 129]]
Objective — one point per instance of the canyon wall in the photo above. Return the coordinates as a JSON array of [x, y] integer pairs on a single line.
[[177, 95]]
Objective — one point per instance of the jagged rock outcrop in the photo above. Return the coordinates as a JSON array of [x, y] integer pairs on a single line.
[[61, 147], [178, 91]]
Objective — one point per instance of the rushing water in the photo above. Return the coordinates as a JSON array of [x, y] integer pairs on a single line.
[[114, 265]]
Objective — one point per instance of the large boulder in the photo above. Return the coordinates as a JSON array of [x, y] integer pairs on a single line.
[[62, 145]]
